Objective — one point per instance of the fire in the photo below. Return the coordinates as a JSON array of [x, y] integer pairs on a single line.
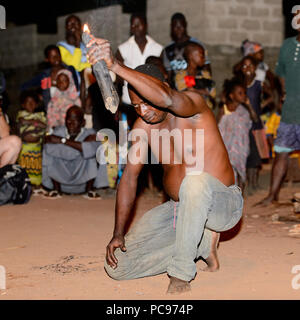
[[86, 28]]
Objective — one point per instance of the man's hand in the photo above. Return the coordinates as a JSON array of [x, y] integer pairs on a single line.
[[100, 49], [52, 139], [116, 242]]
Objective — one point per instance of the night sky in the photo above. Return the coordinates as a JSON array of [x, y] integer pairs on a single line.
[[44, 13]]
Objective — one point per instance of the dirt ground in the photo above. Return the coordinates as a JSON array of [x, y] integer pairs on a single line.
[[54, 249]]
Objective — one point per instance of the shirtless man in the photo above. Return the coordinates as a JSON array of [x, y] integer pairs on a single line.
[[171, 236]]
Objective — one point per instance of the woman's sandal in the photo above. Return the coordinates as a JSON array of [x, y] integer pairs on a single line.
[[92, 195], [39, 192], [53, 194]]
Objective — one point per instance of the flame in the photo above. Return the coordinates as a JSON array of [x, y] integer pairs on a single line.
[[86, 28]]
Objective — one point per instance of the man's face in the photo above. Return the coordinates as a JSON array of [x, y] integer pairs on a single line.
[[74, 122], [73, 24], [198, 57], [145, 110], [54, 57], [178, 29], [138, 27]]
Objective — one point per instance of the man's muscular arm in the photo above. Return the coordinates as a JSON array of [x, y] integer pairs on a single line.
[[183, 104], [126, 195]]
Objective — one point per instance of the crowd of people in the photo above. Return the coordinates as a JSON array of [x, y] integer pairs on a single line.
[[254, 120], [61, 109]]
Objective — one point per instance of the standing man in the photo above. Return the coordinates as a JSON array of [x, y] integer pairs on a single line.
[[288, 133], [172, 54], [171, 236], [135, 51]]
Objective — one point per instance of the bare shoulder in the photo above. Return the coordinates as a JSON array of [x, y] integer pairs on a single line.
[[198, 100]]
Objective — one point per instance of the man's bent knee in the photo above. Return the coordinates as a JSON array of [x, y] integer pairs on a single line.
[[116, 274]]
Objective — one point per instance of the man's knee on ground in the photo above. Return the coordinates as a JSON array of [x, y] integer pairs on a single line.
[[116, 274]]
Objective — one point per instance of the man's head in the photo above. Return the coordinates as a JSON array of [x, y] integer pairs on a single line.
[[74, 120], [73, 24], [194, 54], [178, 26], [157, 61], [138, 25], [144, 108], [52, 55]]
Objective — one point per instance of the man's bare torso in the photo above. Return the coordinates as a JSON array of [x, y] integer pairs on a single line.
[[187, 148]]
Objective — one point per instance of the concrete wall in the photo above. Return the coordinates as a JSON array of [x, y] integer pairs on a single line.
[[221, 22], [222, 25]]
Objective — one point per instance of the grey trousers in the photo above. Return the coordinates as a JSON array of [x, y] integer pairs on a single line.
[[169, 238]]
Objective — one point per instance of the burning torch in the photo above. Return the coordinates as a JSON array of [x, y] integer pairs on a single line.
[[108, 91]]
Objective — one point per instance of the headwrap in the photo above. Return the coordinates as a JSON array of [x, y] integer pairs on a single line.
[[250, 47]]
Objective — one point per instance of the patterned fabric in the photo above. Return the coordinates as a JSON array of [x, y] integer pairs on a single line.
[[35, 131], [288, 136], [30, 159], [234, 129], [61, 101], [201, 81]]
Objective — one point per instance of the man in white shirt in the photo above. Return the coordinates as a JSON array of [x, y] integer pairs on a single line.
[[137, 48]]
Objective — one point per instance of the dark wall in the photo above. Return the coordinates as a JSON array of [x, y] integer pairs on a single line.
[[45, 13]]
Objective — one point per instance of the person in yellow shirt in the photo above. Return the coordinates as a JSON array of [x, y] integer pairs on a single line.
[[73, 51]]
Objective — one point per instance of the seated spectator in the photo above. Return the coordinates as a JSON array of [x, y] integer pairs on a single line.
[[47, 79], [63, 96], [195, 76], [10, 145], [69, 159], [32, 125]]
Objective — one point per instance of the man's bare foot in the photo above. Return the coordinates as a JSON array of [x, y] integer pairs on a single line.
[[212, 260], [178, 286], [266, 202]]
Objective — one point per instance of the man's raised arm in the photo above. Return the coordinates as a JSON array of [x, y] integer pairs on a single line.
[[183, 104]]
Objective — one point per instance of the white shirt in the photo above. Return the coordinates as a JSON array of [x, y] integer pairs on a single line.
[[133, 57]]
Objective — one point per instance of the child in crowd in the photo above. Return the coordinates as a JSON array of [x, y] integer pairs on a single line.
[[32, 125], [246, 72], [234, 125], [47, 78], [63, 96], [195, 76]]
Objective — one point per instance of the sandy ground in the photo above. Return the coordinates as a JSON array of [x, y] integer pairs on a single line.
[[54, 249]]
